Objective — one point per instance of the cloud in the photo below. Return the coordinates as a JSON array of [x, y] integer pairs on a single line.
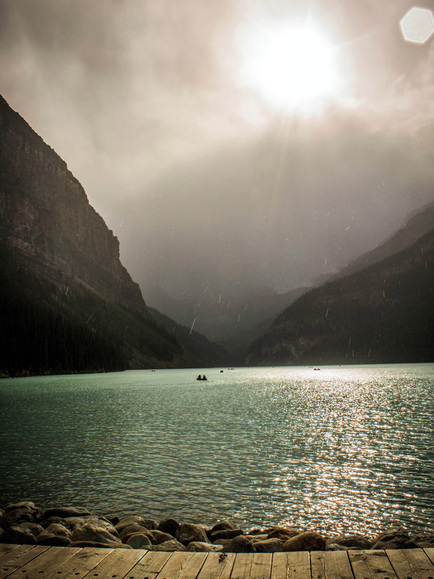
[[120, 89]]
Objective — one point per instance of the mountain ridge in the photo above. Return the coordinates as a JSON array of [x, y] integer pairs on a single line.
[[381, 313]]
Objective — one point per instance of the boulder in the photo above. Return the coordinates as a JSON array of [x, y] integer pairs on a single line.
[[305, 542], [92, 533], [53, 540], [224, 534], [269, 546], [19, 535], [172, 545], [97, 522], [138, 541], [239, 544], [55, 535], [200, 547], [34, 527], [158, 537], [282, 533], [188, 532], [127, 521], [15, 517], [131, 530], [136, 520], [57, 529], [150, 524], [223, 526], [47, 522], [424, 540], [168, 526], [23, 505], [395, 538], [345, 542], [64, 512], [256, 538]]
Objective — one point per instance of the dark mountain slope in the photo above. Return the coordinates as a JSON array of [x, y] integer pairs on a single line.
[[67, 303], [383, 313], [417, 225], [198, 350]]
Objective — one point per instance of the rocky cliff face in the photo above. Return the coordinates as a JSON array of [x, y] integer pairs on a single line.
[[66, 302], [46, 216], [379, 314]]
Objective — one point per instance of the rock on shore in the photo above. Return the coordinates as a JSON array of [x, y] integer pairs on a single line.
[[25, 523]]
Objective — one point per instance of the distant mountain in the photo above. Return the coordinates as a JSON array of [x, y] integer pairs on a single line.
[[67, 304], [381, 313], [224, 320], [197, 349], [418, 224]]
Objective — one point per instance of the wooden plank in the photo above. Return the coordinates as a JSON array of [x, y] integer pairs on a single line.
[[261, 566], [337, 565], [279, 566], [411, 563], [371, 565], [117, 564], [317, 563], [150, 565], [242, 565], [429, 551], [80, 563], [252, 565], [19, 557], [183, 565], [293, 565], [217, 566], [5, 549], [51, 558]]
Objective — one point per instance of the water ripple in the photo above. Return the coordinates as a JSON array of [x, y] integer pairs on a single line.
[[342, 450]]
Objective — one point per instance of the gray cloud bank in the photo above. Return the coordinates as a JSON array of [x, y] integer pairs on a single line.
[[205, 184]]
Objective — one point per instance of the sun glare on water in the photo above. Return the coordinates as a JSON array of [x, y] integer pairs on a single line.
[[292, 68]]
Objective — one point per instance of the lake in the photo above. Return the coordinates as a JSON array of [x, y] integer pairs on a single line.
[[340, 449]]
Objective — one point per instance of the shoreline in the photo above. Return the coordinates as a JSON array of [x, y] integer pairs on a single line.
[[25, 523]]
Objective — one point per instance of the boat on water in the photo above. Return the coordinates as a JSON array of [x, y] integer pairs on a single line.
[[202, 377]]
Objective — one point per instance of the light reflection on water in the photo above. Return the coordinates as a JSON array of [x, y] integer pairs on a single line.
[[341, 449]]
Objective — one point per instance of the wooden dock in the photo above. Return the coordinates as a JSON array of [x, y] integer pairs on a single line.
[[27, 561]]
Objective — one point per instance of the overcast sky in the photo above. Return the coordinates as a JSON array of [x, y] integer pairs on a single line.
[[145, 99]]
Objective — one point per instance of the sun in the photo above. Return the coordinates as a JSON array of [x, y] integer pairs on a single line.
[[291, 67]]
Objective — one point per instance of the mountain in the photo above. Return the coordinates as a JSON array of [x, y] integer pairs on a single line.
[[229, 322], [66, 302], [197, 349], [381, 313], [418, 224]]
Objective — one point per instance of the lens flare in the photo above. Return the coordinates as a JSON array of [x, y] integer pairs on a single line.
[[418, 25]]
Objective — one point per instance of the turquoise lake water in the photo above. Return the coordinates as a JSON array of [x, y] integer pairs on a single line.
[[343, 449]]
